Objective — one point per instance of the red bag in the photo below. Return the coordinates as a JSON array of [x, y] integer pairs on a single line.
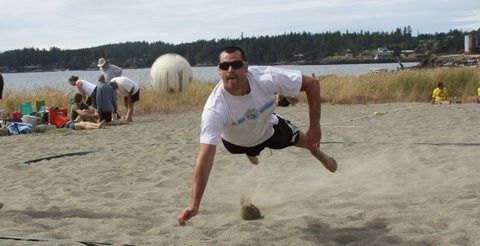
[[57, 116], [16, 116]]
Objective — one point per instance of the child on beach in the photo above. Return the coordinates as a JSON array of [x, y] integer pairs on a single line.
[[478, 93], [440, 94]]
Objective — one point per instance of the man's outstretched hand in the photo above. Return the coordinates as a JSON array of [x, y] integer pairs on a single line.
[[186, 214]]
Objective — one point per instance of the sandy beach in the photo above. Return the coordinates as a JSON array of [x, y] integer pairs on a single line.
[[409, 174]]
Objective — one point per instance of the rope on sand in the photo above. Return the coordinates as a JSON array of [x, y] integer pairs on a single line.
[[58, 156], [88, 243], [373, 114], [414, 143]]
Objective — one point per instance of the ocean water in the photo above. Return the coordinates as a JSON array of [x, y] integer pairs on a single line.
[[59, 79]]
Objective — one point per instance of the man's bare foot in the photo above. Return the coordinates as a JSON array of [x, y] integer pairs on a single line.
[[328, 162], [253, 159]]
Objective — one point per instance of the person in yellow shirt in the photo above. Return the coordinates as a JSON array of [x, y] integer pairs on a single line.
[[478, 93], [440, 94]]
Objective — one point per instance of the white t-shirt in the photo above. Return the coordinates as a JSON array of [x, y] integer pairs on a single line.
[[88, 87], [247, 120], [125, 85]]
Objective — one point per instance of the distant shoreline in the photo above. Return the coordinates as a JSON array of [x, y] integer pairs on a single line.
[[332, 62]]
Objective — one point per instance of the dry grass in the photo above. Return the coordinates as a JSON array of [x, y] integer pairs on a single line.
[[403, 86], [12, 99], [150, 102]]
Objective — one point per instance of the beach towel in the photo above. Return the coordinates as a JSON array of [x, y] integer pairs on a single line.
[[19, 128]]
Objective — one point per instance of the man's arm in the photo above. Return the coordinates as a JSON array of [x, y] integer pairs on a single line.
[[200, 178], [311, 87]]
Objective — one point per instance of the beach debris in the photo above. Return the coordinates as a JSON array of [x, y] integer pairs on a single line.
[[59, 156], [1, 205], [249, 211], [454, 60]]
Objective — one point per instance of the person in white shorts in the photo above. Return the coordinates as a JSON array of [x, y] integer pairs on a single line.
[[239, 111]]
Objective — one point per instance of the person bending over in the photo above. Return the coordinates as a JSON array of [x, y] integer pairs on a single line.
[[85, 88], [130, 92]]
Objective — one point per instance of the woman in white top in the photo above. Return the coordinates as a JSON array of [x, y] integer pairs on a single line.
[[86, 88]]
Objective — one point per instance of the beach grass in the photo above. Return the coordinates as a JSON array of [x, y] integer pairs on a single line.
[[413, 85], [151, 101]]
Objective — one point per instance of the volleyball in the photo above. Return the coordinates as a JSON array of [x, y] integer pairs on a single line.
[[171, 73]]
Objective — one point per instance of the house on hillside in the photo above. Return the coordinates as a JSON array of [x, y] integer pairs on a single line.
[[382, 53], [472, 43], [298, 59]]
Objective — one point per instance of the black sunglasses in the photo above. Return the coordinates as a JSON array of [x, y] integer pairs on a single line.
[[234, 64]]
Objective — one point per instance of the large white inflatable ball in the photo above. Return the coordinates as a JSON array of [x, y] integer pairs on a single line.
[[171, 73]]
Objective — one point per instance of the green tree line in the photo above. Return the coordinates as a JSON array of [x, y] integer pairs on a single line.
[[275, 49]]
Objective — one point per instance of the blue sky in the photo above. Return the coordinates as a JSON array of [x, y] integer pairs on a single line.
[[70, 24]]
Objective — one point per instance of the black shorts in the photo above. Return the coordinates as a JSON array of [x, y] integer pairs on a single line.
[[285, 135], [135, 97], [92, 100], [107, 116]]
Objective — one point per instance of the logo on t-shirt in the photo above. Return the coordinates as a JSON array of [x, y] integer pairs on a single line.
[[251, 114]]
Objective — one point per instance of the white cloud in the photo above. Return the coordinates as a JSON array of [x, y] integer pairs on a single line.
[[470, 20], [87, 23]]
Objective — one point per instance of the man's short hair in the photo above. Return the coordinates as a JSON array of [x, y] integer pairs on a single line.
[[232, 48]]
